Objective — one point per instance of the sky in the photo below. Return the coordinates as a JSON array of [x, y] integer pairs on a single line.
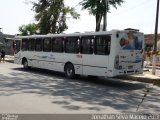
[[137, 14]]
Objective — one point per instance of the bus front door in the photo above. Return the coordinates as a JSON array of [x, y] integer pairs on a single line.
[[17, 55]]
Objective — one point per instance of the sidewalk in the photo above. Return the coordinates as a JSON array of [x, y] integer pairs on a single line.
[[146, 77], [150, 67]]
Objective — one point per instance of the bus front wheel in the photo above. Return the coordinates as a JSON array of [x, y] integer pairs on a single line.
[[25, 64], [69, 71]]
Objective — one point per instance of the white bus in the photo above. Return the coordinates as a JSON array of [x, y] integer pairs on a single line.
[[109, 53]]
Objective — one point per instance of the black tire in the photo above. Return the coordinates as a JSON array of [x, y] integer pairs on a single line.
[[25, 64], [69, 71]]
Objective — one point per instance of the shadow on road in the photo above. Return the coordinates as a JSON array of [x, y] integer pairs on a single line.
[[109, 82], [96, 94]]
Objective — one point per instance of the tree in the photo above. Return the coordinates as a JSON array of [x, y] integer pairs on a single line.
[[51, 15], [29, 29], [99, 9]]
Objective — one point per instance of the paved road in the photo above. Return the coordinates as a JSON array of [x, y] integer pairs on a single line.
[[42, 91]]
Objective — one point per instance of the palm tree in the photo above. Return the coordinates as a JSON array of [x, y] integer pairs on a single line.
[[99, 9]]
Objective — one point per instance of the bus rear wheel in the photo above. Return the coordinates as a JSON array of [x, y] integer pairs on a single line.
[[69, 71]]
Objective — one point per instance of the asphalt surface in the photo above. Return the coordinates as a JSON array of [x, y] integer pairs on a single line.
[[42, 91]]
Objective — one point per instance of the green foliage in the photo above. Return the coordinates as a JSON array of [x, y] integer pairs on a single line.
[[98, 8], [29, 29], [51, 15]]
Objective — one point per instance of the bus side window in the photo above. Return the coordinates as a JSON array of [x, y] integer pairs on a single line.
[[72, 45], [38, 45], [86, 45], [47, 44], [57, 44], [102, 45], [24, 44], [31, 44]]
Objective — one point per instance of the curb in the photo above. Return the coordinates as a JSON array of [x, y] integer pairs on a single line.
[[154, 81], [150, 67]]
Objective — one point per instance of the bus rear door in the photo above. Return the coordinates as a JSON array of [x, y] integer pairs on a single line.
[[95, 55]]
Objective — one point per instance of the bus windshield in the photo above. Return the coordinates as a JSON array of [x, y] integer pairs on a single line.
[[131, 40]]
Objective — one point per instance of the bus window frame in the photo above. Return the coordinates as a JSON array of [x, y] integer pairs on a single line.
[[77, 49], [91, 43], [50, 44], [33, 44], [107, 48], [25, 48], [61, 50], [41, 43]]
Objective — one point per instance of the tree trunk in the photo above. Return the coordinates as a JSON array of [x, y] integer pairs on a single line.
[[105, 15], [104, 21], [98, 22]]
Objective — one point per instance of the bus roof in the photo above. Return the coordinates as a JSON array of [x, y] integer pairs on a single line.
[[71, 34]]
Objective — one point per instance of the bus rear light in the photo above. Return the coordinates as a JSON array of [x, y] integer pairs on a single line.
[[116, 62]]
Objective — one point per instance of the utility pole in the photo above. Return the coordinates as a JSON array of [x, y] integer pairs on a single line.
[[0, 29], [155, 41], [105, 16]]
